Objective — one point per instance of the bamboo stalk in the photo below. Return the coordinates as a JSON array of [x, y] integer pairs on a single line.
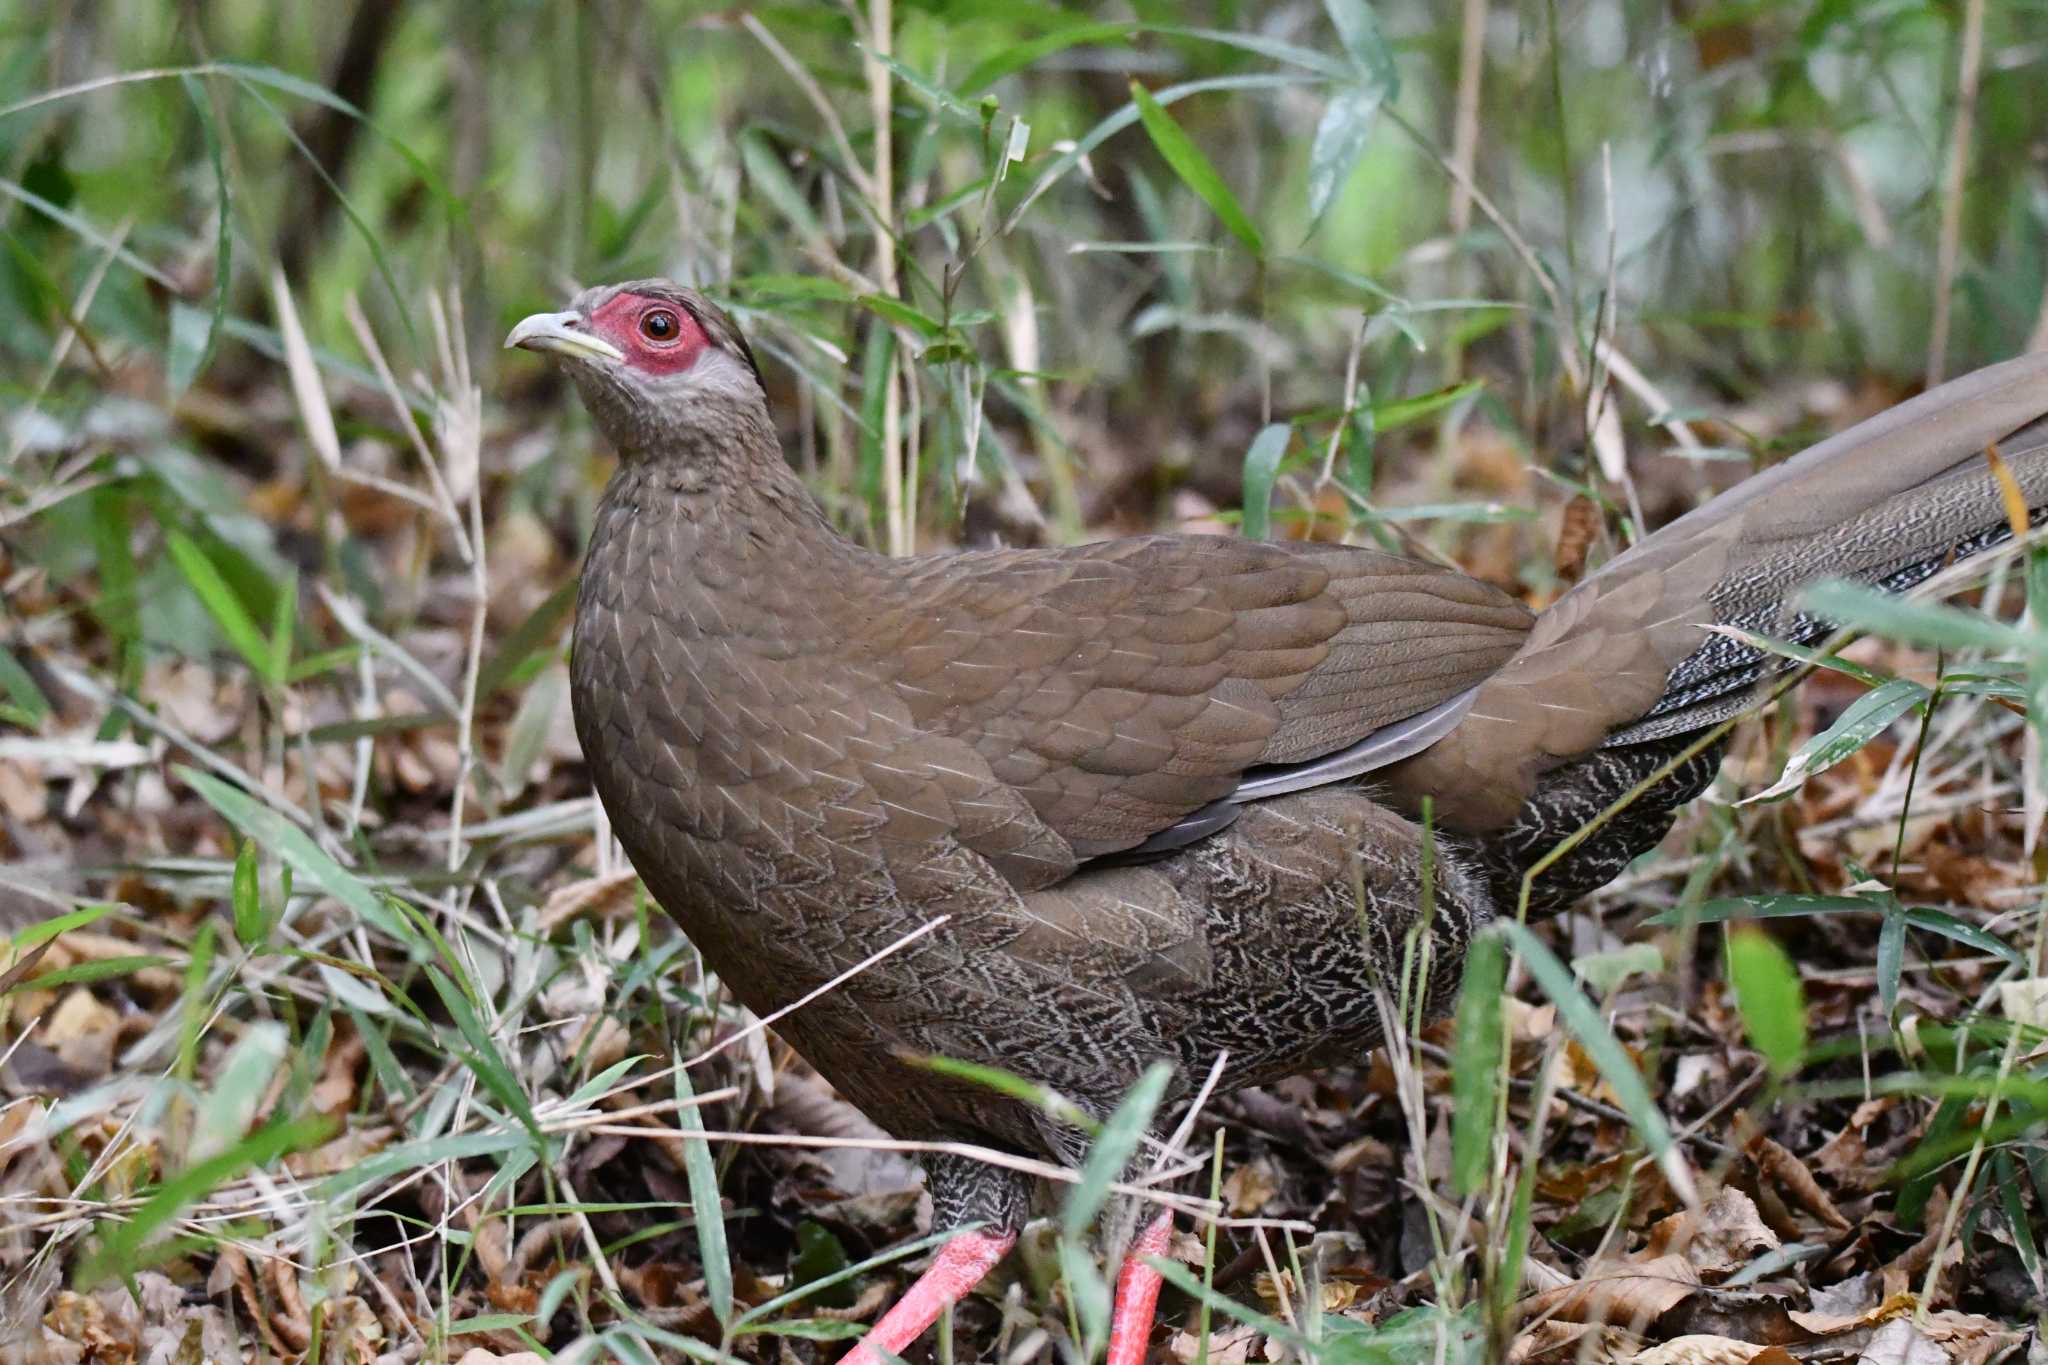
[[1970, 65]]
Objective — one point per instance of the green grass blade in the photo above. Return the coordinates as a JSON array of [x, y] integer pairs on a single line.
[[705, 1205], [1476, 1063], [122, 1244], [291, 843], [1604, 1048]]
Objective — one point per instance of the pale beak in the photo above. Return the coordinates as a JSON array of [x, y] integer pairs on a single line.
[[564, 334]]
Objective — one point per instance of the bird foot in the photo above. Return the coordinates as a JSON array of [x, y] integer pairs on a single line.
[[1137, 1295], [962, 1263]]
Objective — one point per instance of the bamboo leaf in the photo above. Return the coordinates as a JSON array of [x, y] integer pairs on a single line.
[[1769, 996], [1261, 468], [1195, 169], [1341, 136]]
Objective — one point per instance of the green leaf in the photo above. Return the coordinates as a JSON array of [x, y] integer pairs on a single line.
[[1358, 28], [1111, 1152], [1341, 136], [291, 843], [484, 1058], [528, 733], [1261, 468], [1962, 931], [99, 969], [705, 1205], [1017, 56], [816, 1329], [1768, 994], [417, 1155], [185, 352], [238, 1090], [221, 604], [44, 930], [488, 1322], [530, 644], [121, 1244], [1891, 955], [1194, 169], [1046, 1101], [1863, 720], [1123, 118], [1476, 1063], [1920, 623], [21, 689], [1398, 412], [1602, 972], [1767, 907], [768, 175], [223, 234], [1603, 1047], [248, 899], [902, 314]]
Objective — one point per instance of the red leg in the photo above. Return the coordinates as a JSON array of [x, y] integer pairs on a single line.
[[961, 1264], [1137, 1295]]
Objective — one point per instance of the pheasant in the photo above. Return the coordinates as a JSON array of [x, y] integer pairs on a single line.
[[1156, 799]]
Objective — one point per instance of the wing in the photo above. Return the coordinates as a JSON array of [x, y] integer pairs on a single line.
[[1130, 691]]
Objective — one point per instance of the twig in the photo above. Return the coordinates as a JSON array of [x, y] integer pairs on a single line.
[[444, 502], [74, 331], [855, 970]]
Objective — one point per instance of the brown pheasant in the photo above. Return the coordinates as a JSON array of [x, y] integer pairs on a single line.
[[1146, 783]]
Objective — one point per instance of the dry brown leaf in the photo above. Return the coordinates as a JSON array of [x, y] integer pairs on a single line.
[[1625, 1293], [335, 1091], [83, 1321], [1969, 1338], [1574, 1343], [1719, 1239], [1969, 878], [1250, 1188], [1231, 1346], [477, 1355], [1834, 1324], [1575, 537], [82, 1030], [1702, 1349], [290, 1318], [1337, 1295], [1899, 1342], [593, 895], [1776, 1164]]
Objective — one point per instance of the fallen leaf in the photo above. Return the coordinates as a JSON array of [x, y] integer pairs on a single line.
[[1719, 1239], [1250, 1187], [1701, 1349], [1898, 1342], [1776, 1164], [1621, 1292]]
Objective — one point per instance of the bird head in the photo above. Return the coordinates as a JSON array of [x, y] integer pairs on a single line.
[[657, 364]]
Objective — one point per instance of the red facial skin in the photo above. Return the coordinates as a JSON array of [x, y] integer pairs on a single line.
[[633, 323]]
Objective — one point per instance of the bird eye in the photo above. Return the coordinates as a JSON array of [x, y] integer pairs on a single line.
[[660, 325]]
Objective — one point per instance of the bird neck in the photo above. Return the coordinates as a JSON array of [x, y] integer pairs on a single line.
[[718, 510], [723, 477]]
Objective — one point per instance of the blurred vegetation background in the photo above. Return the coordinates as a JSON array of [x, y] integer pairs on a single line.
[[298, 843]]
